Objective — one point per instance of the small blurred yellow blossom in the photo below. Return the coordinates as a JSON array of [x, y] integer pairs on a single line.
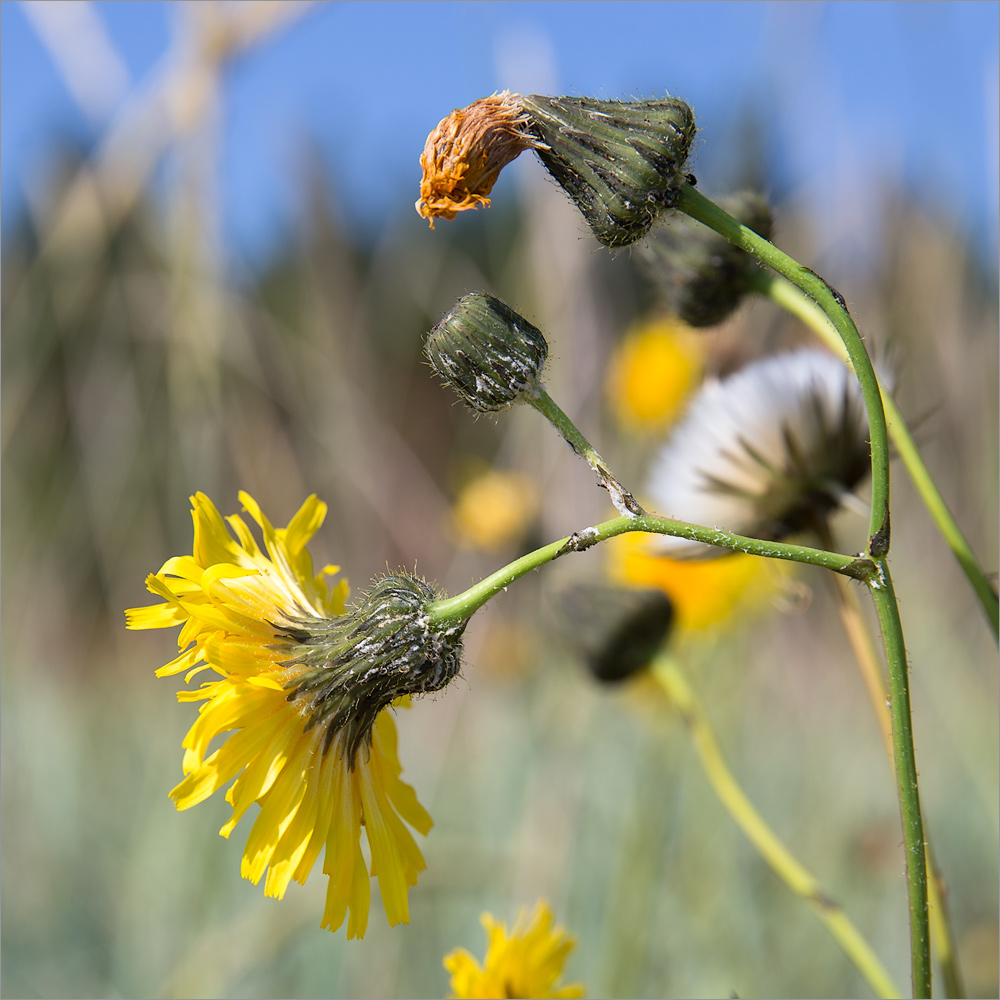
[[526, 962], [493, 509], [704, 592], [657, 365]]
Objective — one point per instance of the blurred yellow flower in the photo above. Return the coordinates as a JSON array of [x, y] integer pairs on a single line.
[[652, 372], [704, 592], [243, 615], [493, 509], [525, 962]]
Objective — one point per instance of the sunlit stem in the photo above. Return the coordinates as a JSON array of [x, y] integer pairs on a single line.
[[849, 609], [633, 518], [904, 756], [695, 204], [624, 502], [463, 605], [785, 294], [800, 881]]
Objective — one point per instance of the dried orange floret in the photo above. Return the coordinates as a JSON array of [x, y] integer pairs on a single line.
[[466, 152]]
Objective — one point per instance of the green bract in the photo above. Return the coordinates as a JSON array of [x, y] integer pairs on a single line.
[[622, 163]]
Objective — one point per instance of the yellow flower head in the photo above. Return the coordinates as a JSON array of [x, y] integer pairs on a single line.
[[493, 509], [652, 373], [526, 962], [318, 754]]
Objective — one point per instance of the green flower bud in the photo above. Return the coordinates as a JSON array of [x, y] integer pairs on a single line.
[[621, 163], [385, 647], [617, 631], [486, 352], [701, 276]]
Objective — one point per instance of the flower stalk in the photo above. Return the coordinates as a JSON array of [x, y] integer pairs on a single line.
[[692, 202], [696, 205], [624, 502], [904, 757], [735, 801], [942, 938], [462, 606], [791, 298]]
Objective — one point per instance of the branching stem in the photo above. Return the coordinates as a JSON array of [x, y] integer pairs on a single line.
[[942, 938], [786, 295], [694, 203], [463, 605], [914, 844]]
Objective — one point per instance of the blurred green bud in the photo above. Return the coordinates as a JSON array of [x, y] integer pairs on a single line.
[[621, 162], [489, 354], [616, 630], [701, 276]]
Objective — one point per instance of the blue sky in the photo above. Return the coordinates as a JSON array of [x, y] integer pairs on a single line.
[[851, 92]]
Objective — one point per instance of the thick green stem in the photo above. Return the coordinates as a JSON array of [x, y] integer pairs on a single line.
[[870, 666], [783, 863], [695, 204], [942, 936], [906, 776], [785, 294], [463, 605], [832, 303]]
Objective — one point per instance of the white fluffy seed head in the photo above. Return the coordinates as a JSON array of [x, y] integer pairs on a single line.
[[769, 451]]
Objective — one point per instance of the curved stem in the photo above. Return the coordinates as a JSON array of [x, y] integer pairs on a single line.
[[832, 303], [464, 605], [763, 838], [695, 204], [906, 776], [786, 295], [624, 502]]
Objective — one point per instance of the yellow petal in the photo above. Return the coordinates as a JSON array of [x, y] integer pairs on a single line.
[[212, 542]]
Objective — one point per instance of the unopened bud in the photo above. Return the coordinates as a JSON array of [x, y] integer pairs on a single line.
[[701, 276], [486, 352], [621, 162], [616, 630], [386, 646]]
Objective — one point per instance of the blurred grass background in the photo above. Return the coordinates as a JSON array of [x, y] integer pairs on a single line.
[[136, 369]]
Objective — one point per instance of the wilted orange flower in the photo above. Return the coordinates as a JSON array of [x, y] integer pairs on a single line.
[[466, 152]]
